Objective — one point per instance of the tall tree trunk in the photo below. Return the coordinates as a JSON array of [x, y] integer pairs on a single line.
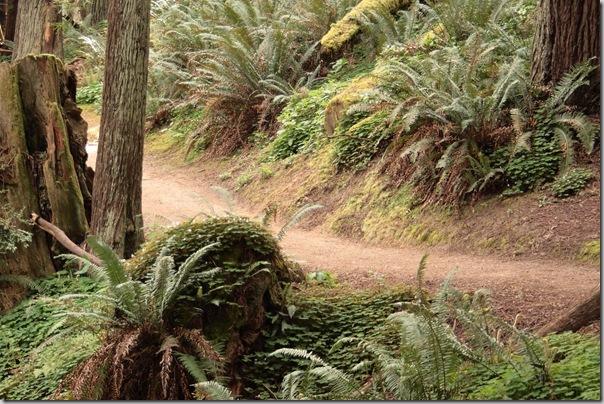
[[42, 149], [98, 11], [117, 210], [38, 29], [568, 33], [583, 314], [11, 19]]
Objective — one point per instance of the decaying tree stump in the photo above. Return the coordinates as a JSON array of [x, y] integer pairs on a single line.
[[42, 143]]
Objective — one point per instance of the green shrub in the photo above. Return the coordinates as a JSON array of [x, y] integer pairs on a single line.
[[302, 123], [530, 168], [90, 94], [244, 179], [356, 145], [241, 240], [590, 251], [571, 183]]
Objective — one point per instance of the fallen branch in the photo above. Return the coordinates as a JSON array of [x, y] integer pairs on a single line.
[[581, 315], [62, 238]]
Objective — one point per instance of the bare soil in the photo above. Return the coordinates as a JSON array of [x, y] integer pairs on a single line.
[[535, 288]]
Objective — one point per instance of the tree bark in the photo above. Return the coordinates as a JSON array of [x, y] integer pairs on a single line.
[[117, 210], [576, 318], [17, 182], [11, 19], [42, 146], [38, 29], [568, 32], [98, 11]]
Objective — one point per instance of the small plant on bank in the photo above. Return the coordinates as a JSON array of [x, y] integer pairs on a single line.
[[12, 233], [571, 183]]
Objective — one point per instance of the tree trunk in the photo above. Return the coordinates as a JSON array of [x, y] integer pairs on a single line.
[[98, 11], [11, 19], [568, 32], [38, 29], [578, 317], [42, 146], [117, 210]]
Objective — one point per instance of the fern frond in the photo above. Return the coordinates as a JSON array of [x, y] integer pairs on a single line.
[[299, 353], [213, 391], [113, 267], [296, 218], [193, 366]]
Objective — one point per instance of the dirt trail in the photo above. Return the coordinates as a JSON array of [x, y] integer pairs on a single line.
[[538, 290]]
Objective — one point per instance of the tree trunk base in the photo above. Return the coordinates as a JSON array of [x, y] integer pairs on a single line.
[[42, 142]]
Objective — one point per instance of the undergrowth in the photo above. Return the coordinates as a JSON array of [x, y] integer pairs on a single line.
[[571, 183], [316, 318], [31, 372]]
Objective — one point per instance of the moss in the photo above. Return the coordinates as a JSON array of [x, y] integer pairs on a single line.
[[433, 36], [344, 30], [590, 251], [338, 105]]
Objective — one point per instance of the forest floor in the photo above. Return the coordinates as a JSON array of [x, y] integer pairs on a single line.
[[537, 289]]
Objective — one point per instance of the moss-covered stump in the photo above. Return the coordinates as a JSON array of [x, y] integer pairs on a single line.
[[241, 281], [42, 161]]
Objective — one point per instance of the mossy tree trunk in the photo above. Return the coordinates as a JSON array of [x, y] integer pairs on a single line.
[[42, 143], [117, 206], [37, 29], [568, 32]]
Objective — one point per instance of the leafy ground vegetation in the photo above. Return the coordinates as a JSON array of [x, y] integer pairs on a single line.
[[321, 342]]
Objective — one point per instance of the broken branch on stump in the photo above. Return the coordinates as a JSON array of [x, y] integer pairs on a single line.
[[62, 238]]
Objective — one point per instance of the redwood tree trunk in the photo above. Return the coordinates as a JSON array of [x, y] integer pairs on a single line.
[[117, 210], [568, 33], [42, 149], [38, 29], [98, 11], [11, 19], [583, 314]]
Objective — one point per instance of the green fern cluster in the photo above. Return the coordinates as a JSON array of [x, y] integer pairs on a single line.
[[317, 316], [244, 58], [540, 151], [574, 374], [91, 94]]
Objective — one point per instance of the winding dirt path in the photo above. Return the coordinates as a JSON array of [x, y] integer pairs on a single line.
[[535, 289]]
